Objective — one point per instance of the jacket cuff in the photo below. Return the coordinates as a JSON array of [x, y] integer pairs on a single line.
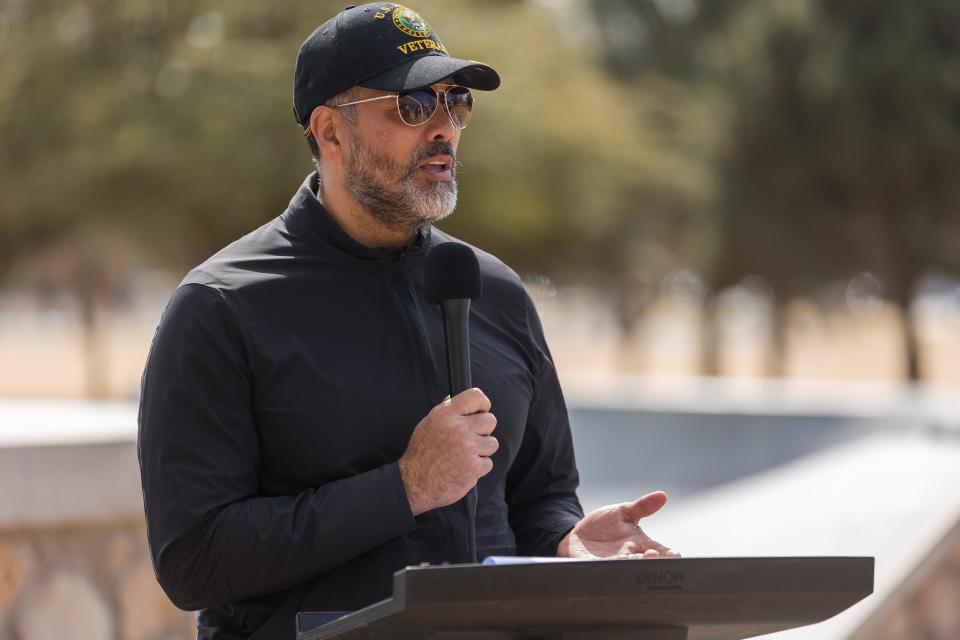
[[551, 539], [404, 515]]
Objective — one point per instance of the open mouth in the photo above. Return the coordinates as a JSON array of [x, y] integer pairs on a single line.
[[440, 166]]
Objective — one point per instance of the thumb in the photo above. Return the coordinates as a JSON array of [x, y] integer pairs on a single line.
[[645, 506], [470, 401]]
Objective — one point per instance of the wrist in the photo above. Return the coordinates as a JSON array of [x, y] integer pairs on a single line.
[[563, 549], [410, 487]]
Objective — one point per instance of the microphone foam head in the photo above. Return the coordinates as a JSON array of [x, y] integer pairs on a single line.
[[452, 271]]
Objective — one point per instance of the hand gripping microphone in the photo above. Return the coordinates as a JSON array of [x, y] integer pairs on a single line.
[[452, 280]]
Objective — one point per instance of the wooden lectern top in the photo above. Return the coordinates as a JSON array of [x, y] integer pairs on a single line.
[[650, 599]]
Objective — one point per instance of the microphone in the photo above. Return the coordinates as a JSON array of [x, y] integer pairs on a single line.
[[452, 279]]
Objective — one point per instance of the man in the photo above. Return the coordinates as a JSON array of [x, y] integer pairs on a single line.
[[296, 446]]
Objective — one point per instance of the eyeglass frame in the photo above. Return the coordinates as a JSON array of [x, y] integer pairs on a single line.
[[441, 99]]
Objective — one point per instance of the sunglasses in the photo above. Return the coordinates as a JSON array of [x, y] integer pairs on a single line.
[[416, 107]]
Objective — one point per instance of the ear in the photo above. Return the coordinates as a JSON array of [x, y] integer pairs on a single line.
[[327, 131]]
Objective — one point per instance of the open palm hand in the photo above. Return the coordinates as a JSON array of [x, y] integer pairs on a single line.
[[612, 532]]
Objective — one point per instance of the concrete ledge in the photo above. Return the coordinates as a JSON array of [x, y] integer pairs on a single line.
[[923, 405], [892, 495], [69, 484], [68, 462], [61, 422]]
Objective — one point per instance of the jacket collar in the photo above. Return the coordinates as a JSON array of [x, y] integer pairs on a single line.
[[308, 216]]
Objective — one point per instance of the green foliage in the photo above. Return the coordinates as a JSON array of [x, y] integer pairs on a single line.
[[802, 140], [842, 132], [848, 151], [170, 124], [842, 123]]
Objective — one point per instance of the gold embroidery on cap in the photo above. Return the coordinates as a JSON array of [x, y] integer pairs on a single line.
[[420, 45], [410, 22]]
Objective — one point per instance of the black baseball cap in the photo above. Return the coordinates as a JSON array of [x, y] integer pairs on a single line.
[[379, 45]]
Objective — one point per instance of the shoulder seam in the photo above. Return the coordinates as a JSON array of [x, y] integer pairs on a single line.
[[527, 303], [241, 323]]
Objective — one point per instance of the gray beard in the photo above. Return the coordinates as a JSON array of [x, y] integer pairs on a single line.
[[399, 203]]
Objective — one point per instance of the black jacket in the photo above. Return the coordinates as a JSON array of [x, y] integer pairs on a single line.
[[285, 378]]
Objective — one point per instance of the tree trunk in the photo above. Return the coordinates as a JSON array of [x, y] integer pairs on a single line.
[[901, 289], [776, 360], [911, 345], [633, 298], [710, 336], [96, 379]]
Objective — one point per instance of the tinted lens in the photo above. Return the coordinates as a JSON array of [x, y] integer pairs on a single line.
[[416, 107], [459, 104]]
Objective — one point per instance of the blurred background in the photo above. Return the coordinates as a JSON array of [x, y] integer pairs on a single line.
[[740, 221]]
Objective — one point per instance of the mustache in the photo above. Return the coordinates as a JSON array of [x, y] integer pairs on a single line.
[[432, 149]]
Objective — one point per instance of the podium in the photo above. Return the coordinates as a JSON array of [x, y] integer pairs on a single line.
[[650, 599]]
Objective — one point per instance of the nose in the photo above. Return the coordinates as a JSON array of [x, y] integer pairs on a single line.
[[440, 126]]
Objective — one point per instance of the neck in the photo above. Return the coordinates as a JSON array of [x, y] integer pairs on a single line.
[[355, 221]]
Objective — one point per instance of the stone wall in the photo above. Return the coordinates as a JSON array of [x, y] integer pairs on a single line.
[[927, 606], [96, 582], [74, 561], [84, 581], [73, 544]]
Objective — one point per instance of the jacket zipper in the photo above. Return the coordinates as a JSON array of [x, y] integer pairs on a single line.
[[421, 346], [419, 340]]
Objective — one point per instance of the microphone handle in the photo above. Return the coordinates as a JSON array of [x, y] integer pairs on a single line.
[[456, 330]]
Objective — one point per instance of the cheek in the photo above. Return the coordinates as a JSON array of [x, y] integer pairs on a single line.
[[403, 148], [455, 140], [393, 138]]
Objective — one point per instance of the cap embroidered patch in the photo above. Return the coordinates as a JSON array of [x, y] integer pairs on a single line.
[[410, 22], [379, 45]]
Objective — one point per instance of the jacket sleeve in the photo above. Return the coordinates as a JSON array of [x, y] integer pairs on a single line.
[[213, 539], [542, 482]]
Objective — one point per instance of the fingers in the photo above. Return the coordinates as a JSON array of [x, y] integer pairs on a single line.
[[470, 401], [648, 549], [486, 466], [661, 550], [652, 553], [473, 407], [644, 506], [487, 446], [482, 423]]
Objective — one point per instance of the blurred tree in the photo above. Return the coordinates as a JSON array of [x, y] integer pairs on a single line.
[[93, 267], [843, 123], [138, 126], [170, 124]]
